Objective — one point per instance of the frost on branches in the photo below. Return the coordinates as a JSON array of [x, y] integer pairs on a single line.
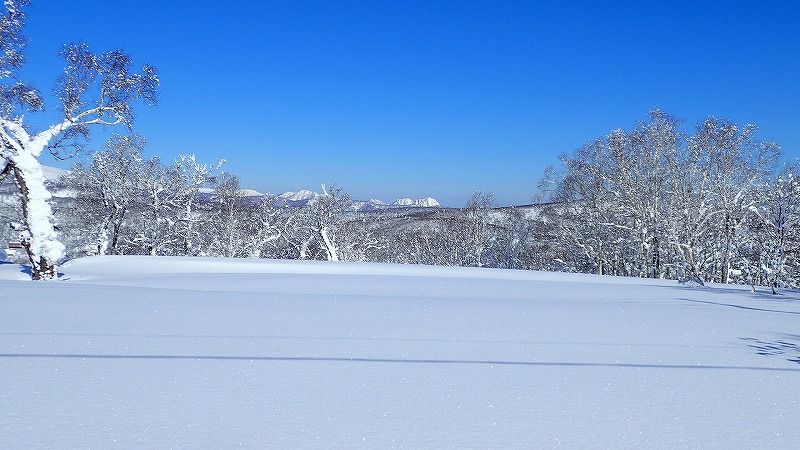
[[94, 89]]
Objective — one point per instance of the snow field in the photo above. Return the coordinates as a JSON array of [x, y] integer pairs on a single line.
[[191, 352]]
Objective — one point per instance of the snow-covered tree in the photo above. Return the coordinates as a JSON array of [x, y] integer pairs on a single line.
[[476, 229], [323, 217], [108, 189], [654, 202], [640, 162], [582, 218], [193, 177], [228, 222], [513, 235], [93, 89], [264, 227], [153, 229], [769, 247], [740, 165]]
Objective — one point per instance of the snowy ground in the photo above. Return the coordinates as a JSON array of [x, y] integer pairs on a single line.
[[174, 352]]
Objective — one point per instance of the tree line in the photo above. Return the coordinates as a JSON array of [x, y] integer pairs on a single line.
[[121, 202], [715, 205]]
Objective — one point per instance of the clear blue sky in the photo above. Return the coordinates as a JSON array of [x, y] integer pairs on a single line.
[[437, 98]]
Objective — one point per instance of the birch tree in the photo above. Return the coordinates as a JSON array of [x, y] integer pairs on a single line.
[[154, 228], [192, 176], [109, 188], [323, 216], [93, 89], [476, 229], [739, 164]]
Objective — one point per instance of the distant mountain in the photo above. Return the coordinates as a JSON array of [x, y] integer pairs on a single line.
[[303, 197], [52, 174], [369, 205], [296, 199], [427, 202], [291, 199]]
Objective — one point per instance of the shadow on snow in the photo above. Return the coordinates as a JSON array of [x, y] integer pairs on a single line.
[[387, 361]]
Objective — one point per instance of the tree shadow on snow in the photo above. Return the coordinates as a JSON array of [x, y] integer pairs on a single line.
[[316, 359], [732, 305], [762, 294], [780, 347]]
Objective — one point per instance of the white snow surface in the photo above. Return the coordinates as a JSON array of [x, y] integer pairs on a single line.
[[134, 352]]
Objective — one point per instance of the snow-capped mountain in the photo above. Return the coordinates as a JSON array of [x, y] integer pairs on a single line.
[[369, 205], [52, 174], [240, 192], [302, 197], [374, 204], [296, 199], [405, 202], [249, 193]]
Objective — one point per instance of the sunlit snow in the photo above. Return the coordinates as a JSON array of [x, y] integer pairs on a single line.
[[194, 352]]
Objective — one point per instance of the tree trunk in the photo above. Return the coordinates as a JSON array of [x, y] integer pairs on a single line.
[[731, 226], [329, 247], [39, 237]]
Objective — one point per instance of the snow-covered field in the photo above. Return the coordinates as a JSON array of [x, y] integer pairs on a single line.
[[175, 352]]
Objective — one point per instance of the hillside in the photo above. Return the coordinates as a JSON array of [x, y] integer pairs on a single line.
[[186, 352]]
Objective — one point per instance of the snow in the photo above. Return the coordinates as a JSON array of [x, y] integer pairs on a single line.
[[369, 205], [298, 196], [192, 352], [427, 202], [248, 193], [240, 192]]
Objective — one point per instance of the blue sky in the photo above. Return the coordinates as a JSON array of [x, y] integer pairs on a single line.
[[437, 98]]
